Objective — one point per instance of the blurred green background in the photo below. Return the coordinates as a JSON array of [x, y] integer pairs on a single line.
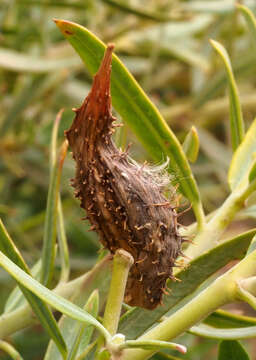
[[165, 44]]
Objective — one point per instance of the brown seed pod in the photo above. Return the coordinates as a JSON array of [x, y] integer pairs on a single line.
[[124, 202]]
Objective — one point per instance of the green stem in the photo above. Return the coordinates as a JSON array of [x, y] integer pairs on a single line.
[[121, 266], [246, 296], [181, 320], [212, 231], [9, 349]]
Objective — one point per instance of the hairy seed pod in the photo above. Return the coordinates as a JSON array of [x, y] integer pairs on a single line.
[[124, 202]]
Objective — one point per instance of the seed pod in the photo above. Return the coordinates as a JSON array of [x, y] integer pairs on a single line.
[[123, 201]]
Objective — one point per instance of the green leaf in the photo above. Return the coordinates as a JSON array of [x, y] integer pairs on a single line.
[[191, 145], [56, 301], [48, 255], [224, 319], [63, 245], [9, 349], [153, 345], [232, 350], [16, 298], [98, 278], [243, 66], [137, 110], [39, 307], [84, 333], [137, 321], [251, 21], [252, 173], [236, 117], [252, 246], [242, 160], [211, 332]]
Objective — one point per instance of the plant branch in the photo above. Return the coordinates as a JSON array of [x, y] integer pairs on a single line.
[[210, 235], [223, 290], [9, 349]]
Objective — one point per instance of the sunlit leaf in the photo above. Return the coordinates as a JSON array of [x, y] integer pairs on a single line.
[[242, 160], [250, 20]]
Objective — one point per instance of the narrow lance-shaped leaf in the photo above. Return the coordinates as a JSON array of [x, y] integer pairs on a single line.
[[48, 256], [242, 67], [236, 117], [62, 239], [56, 301], [16, 297], [191, 145], [250, 20], [39, 307], [97, 278], [84, 333], [137, 110], [232, 350], [225, 319], [242, 160], [63, 245]]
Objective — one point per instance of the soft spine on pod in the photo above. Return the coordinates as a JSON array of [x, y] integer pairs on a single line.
[[123, 201]]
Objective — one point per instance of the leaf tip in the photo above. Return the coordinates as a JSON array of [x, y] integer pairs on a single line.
[[64, 25], [214, 43], [240, 7]]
